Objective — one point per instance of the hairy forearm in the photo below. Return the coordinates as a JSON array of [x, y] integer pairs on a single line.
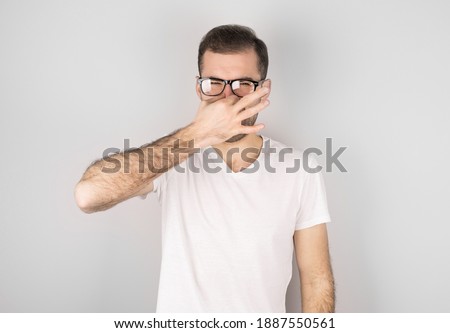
[[117, 177], [318, 294]]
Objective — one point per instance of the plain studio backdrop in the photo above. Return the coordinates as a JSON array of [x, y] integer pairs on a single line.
[[78, 77]]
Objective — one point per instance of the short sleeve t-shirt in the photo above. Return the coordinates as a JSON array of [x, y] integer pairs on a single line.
[[227, 238]]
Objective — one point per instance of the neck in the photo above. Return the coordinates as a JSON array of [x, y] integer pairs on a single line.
[[240, 154]]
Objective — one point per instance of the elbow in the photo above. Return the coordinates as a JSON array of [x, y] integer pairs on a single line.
[[83, 198]]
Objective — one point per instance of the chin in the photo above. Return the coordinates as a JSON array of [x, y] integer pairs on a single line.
[[236, 138]]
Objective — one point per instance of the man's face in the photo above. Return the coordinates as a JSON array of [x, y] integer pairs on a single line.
[[230, 67]]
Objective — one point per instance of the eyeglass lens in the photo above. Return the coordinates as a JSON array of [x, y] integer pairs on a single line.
[[211, 87]]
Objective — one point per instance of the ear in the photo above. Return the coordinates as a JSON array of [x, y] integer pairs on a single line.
[[197, 89]]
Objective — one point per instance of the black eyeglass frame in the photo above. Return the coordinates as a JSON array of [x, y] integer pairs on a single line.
[[230, 82]]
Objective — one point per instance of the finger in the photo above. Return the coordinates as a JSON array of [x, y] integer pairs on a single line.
[[252, 98], [251, 129], [265, 84], [232, 99], [247, 113], [229, 100]]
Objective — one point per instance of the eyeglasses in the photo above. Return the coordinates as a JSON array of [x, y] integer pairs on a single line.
[[211, 86]]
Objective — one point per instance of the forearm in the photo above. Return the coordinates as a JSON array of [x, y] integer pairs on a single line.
[[115, 178], [318, 294]]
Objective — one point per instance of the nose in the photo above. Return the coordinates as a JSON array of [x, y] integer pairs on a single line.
[[227, 91]]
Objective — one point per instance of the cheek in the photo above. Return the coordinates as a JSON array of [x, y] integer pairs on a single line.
[[208, 98]]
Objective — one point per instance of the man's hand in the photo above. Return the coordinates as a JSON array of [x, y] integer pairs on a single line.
[[221, 119]]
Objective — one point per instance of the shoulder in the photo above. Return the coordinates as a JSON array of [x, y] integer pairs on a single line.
[[289, 158], [280, 152]]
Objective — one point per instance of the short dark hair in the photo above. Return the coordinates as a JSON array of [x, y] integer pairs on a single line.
[[233, 38]]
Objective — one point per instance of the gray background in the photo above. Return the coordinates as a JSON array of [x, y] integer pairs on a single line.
[[78, 77]]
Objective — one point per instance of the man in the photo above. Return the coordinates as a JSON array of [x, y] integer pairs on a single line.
[[229, 230]]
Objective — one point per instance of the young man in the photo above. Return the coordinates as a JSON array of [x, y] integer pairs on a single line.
[[229, 229]]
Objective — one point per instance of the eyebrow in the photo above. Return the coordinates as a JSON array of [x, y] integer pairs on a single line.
[[241, 78]]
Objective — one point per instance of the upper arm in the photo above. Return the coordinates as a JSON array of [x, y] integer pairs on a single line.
[[312, 253]]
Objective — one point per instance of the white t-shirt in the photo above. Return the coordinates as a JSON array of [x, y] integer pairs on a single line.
[[227, 238]]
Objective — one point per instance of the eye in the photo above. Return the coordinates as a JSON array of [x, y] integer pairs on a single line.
[[246, 83], [216, 82]]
